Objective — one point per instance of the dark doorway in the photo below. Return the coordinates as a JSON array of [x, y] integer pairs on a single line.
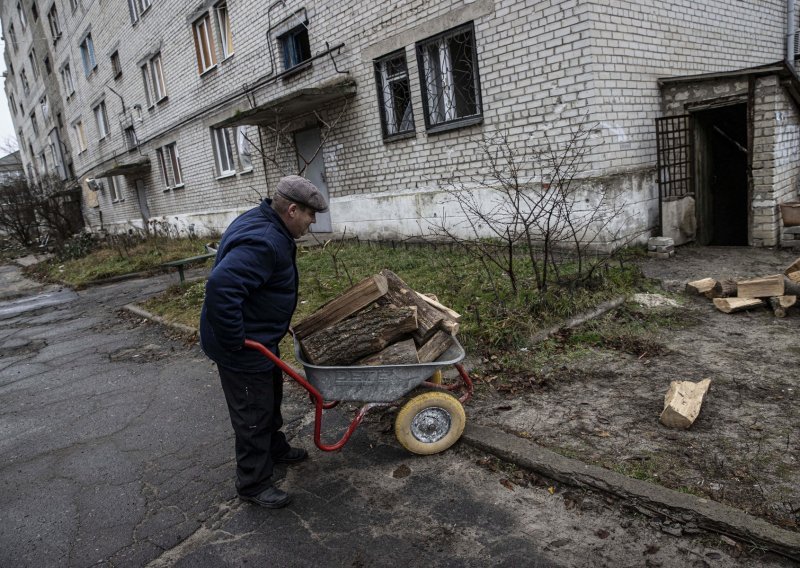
[[721, 167]]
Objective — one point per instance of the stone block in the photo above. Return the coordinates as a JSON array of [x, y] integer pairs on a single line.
[[661, 255]]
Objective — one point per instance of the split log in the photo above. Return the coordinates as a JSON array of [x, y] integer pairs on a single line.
[[401, 294], [363, 334], [761, 287], [724, 289], [435, 346], [790, 287], [400, 353], [731, 305], [780, 304], [794, 267], [344, 305], [794, 276], [434, 301], [701, 287], [682, 403]]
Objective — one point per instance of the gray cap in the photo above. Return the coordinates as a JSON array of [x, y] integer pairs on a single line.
[[300, 190]]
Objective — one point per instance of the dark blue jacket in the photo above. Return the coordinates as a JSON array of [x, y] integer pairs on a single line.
[[251, 291]]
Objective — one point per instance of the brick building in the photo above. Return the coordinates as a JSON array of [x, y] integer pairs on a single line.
[[188, 113]]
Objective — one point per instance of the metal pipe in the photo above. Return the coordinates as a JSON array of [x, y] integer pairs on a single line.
[[790, 31]]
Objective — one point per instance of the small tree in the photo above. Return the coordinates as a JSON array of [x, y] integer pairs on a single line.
[[17, 212], [529, 205]]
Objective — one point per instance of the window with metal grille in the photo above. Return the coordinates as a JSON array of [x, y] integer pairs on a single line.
[[448, 68], [296, 47], [223, 155], [394, 94]]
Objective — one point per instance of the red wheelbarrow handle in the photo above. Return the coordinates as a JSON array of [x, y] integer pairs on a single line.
[[319, 402]]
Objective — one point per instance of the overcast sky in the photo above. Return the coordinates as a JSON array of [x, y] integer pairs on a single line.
[[6, 126]]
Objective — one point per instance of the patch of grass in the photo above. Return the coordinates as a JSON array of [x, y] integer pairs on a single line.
[[105, 262]]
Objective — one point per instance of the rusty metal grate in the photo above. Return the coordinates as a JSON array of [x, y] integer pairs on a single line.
[[674, 146]]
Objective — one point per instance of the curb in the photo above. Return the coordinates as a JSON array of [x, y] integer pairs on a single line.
[[706, 513], [136, 310]]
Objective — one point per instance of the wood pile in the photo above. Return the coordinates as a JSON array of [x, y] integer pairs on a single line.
[[779, 292], [379, 321]]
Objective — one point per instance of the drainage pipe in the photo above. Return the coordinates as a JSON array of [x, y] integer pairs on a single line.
[[790, 31]]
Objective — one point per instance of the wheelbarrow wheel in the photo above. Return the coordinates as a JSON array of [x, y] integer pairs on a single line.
[[430, 423]]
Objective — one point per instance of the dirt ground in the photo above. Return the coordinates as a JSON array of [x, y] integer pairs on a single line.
[[601, 404]]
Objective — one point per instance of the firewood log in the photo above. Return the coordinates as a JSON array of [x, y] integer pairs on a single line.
[[401, 294]]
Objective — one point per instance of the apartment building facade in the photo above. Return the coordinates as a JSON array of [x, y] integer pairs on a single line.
[[188, 113]]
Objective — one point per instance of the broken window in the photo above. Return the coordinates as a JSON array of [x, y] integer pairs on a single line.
[[394, 94], [296, 47], [449, 77]]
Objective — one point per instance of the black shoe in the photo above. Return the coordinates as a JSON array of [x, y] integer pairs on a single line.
[[271, 498], [294, 455]]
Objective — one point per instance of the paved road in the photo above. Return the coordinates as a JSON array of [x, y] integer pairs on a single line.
[[117, 451]]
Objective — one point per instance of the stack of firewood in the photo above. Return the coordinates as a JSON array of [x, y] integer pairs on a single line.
[[778, 291], [379, 321]]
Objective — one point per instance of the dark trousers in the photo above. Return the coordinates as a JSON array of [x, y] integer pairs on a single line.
[[254, 403]]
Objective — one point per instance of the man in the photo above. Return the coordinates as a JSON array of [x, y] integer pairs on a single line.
[[251, 293]]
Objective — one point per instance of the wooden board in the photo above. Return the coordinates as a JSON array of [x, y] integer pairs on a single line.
[[352, 300], [363, 334], [731, 305], [761, 287]]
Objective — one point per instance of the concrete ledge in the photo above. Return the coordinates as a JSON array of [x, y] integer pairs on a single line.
[[707, 514]]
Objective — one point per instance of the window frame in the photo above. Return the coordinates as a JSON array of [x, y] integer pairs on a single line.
[[55, 25], [289, 46], [34, 123], [216, 134], [12, 35], [113, 192], [170, 162], [44, 106], [23, 19], [158, 84], [34, 63], [66, 78], [101, 120], [87, 54], [204, 38], [446, 123], [383, 83], [224, 31], [245, 164], [80, 135], [116, 65]]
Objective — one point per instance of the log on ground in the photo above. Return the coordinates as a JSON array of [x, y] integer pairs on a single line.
[[731, 305], [780, 304], [682, 403], [363, 334], [761, 287], [344, 305], [701, 287], [401, 294], [794, 267]]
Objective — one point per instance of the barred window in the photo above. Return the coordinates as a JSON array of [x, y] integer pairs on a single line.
[[448, 67], [394, 94]]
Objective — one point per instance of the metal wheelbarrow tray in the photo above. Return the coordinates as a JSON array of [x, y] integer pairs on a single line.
[[427, 423]]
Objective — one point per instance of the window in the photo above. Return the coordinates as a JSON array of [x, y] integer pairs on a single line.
[[448, 67], [45, 108], [155, 88], [204, 45], [47, 66], [296, 48], [34, 63], [11, 103], [244, 149], [101, 118], [13, 36], [34, 123], [34, 11], [394, 94], [66, 77], [21, 13], [131, 141], [55, 26], [137, 8], [113, 189], [55, 153], [222, 151], [87, 55], [116, 68], [23, 78], [73, 4], [80, 135], [224, 29], [170, 165]]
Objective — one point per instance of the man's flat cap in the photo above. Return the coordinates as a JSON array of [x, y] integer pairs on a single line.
[[300, 190]]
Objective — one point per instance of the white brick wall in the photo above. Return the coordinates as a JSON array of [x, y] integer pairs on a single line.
[[543, 65]]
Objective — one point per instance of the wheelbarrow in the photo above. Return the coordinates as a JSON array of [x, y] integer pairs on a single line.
[[427, 423]]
